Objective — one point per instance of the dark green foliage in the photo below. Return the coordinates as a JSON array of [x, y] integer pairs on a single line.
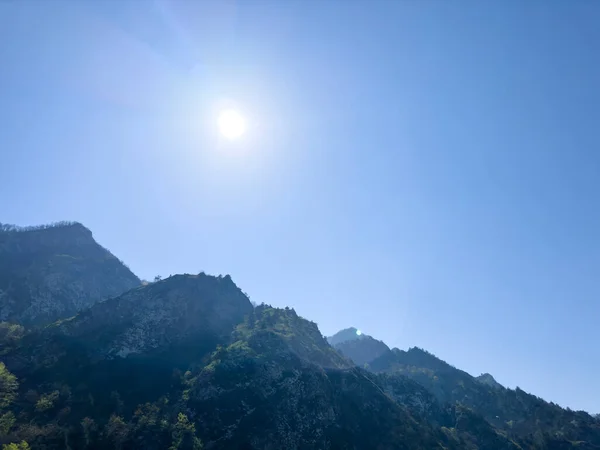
[[8, 387], [10, 335], [16, 446], [184, 435]]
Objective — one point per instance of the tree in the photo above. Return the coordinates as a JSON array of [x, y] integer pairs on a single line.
[[89, 427], [149, 425], [21, 446], [10, 334], [117, 431], [7, 421], [157, 278], [184, 435], [8, 386], [250, 319], [46, 401]]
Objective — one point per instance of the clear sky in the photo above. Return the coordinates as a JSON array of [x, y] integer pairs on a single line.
[[427, 171]]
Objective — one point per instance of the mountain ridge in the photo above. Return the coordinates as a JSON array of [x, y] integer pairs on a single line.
[[514, 412], [189, 362]]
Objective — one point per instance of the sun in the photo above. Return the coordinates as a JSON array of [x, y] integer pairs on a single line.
[[232, 124]]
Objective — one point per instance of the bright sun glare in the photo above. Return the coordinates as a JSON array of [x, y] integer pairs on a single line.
[[232, 124]]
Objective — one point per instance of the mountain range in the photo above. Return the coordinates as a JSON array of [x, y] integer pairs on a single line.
[[92, 358]]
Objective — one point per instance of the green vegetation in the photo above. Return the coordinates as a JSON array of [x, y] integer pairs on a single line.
[[184, 435], [8, 387], [10, 335], [20, 446], [46, 402]]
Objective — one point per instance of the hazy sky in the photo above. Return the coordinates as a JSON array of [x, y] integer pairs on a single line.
[[427, 171]]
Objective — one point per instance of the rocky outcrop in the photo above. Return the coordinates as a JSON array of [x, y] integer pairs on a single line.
[[489, 380], [347, 334]]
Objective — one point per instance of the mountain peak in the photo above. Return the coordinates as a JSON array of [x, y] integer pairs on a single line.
[[156, 315], [50, 272], [347, 334], [284, 331], [359, 347], [489, 380]]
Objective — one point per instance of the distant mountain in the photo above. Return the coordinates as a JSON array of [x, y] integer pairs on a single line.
[[345, 335], [359, 347], [519, 415], [52, 272]]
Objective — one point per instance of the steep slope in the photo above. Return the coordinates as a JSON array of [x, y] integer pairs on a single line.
[[280, 385], [52, 272], [118, 354], [359, 347], [523, 417], [291, 334], [460, 424], [272, 383]]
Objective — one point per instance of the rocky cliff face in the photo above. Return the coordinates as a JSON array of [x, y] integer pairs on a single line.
[[198, 310], [48, 273], [159, 315]]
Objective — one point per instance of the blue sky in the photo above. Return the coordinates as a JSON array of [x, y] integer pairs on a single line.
[[425, 171]]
